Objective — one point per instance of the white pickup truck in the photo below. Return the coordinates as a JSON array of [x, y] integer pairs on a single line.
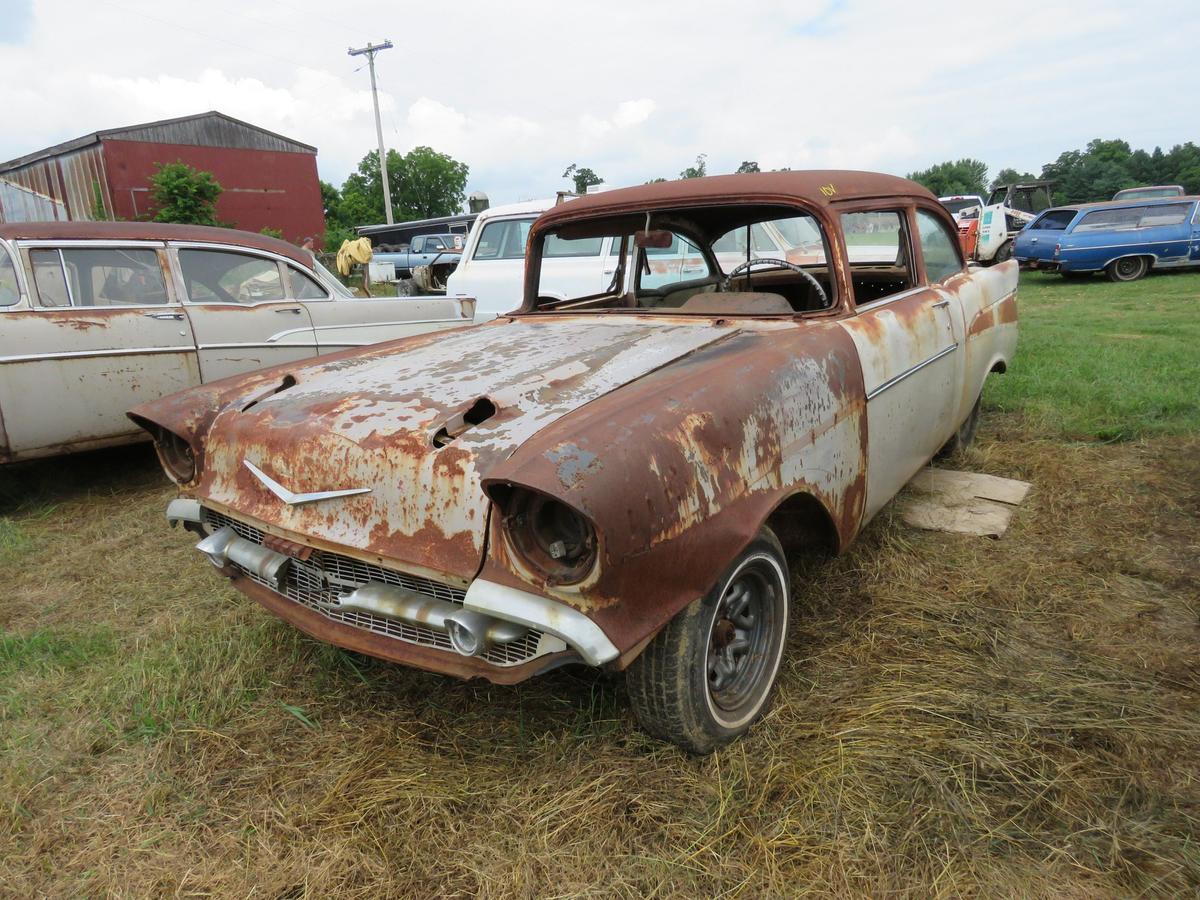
[[492, 270]]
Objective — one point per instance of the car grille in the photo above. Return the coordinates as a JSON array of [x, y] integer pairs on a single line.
[[324, 576]]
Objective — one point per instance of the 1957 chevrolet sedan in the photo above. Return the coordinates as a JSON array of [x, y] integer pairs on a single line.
[[98, 316], [620, 478]]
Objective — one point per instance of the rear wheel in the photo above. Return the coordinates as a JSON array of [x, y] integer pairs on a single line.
[[709, 674], [1127, 268], [1004, 254]]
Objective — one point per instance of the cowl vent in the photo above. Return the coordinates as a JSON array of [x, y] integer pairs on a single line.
[[480, 411]]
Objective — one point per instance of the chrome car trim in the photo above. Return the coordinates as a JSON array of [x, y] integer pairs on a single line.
[[224, 546], [892, 382], [550, 616], [111, 351], [183, 509], [292, 498], [320, 328], [1133, 246]]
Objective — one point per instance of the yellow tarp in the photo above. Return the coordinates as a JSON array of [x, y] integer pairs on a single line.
[[352, 252]]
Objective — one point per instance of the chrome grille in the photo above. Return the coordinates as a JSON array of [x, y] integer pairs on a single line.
[[324, 576]]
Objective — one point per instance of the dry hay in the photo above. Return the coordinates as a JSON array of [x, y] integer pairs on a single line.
[[956, 716]]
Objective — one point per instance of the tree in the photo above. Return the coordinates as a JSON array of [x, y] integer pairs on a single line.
[[1010, 176], [747, 166], [699, 170], [583, 177], [962, 176], [424, 184], [184, 195]]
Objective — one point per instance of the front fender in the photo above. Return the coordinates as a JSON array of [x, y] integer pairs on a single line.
[[679, 470]]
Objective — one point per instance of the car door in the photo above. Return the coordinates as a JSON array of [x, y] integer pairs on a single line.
[[904, 331], [240, 313], [342, 323], [1195, 234], [1165, 230], [100, 331]]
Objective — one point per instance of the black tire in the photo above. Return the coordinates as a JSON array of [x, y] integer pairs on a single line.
[[690, 686], [965, 436], [1004, 254], [1127, 268]]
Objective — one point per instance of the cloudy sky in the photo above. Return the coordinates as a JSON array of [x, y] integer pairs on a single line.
[[520, 89]]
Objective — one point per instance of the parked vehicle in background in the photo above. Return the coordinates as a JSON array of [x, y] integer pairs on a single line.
[[437, 255], [98, 316], [619, 474], [493, 267], [962, 206], [1009, 208], [1124, 240], [1153, 192]]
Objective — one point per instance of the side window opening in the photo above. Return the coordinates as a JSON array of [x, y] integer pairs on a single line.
[[503, 240], [877, 249], [304, 287], [98, 277], [10, 290], [939, 247], [221, 276]]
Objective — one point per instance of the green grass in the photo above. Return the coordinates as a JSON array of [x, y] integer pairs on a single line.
[[1103, 361]]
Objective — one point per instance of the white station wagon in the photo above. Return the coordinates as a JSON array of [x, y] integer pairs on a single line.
[[97, 317]]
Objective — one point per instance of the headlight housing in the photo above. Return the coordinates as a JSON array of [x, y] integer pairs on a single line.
[[549, 536], [176, 456]]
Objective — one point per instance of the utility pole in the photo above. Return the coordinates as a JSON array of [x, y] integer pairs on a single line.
[[369, 51]]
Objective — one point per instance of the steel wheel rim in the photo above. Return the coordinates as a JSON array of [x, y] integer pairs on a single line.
[[1127, 267], [745, 641]]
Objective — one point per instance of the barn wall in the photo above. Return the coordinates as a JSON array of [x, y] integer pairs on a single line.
[[263, 188]]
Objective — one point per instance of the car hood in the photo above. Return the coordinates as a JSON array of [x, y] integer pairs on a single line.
[[371, 420]]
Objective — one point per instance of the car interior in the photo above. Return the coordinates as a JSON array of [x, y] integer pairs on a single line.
[[734, 260]]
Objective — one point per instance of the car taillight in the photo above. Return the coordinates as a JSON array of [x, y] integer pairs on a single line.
[[1057, 247]]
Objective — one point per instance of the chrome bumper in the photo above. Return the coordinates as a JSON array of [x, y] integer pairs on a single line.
[[490, 614]]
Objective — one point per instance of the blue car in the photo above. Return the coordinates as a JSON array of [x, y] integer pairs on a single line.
[[1122, 239]]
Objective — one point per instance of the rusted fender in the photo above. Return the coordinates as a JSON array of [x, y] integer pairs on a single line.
[[680, 469]]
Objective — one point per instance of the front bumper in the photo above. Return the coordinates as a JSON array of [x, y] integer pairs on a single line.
[[416, 619]]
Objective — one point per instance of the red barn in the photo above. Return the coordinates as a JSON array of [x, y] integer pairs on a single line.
[[270, 181]]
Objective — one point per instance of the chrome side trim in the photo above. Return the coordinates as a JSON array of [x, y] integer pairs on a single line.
[[112, 351], [250, 345], [319, 328], [543, 614], [892, 382], [1136, 245]]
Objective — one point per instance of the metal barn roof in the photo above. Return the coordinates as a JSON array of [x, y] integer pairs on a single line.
[[209, 129]]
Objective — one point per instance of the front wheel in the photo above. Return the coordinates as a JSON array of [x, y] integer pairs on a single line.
[[1127, 268], [1004, 254], [708, 675]]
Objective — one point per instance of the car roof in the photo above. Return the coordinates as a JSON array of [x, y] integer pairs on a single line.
[[817, 187], [1117, 204], [525, 207], [150, 231]]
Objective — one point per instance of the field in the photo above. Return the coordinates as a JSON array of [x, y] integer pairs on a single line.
[[957, 716]]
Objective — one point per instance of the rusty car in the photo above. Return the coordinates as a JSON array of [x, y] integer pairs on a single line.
[[96, 317], [623, 478]]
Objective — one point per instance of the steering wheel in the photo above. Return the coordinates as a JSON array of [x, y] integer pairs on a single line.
[[781, 263]]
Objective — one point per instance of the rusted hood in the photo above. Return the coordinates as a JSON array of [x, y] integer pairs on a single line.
[[369, 421]]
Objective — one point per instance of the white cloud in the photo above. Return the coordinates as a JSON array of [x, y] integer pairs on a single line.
[[520, 90]]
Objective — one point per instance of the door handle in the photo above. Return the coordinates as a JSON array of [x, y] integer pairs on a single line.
[[291, 309], [178, 317], [941, 303]]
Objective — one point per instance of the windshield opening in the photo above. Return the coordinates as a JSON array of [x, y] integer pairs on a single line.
[[719, 260]]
